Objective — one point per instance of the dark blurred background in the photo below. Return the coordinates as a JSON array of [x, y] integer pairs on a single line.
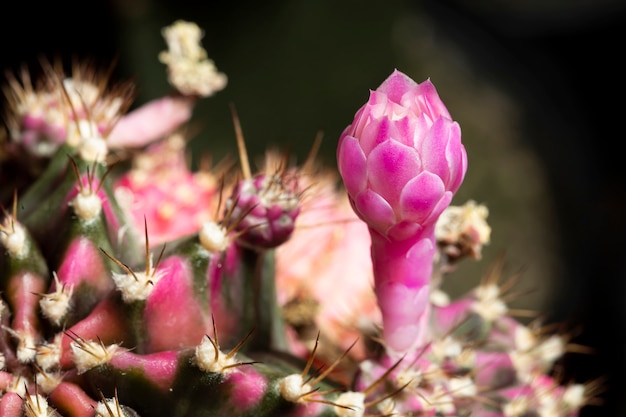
[[537, 87]]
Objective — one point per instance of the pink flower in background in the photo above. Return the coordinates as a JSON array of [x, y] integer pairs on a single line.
[[161, 189], [401, 161], [326, 259]]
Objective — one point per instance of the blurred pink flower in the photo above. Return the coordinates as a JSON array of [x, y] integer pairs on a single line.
[[327, 259], [161, 189]]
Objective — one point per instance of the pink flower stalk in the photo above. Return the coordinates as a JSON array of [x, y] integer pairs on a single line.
[[401, 161]]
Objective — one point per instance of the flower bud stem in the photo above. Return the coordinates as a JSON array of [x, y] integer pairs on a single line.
[[260, 303], [402, 271]]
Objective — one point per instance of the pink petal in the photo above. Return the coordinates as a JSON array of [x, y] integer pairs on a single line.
[[420, 196], [426, 100], [352, 165], [374, 133], [396, 85], [389, 167], [441, 205], [457, 158], [374, 210], [433, 149], [150, 122]]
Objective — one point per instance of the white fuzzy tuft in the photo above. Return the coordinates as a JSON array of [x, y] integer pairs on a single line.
[[214, 237], [48, 381], [13, 238], [211, 360], [55, 305], [93, 149], [136, 286], [292, 388], [48, 355], [87, 205], [355, 403], [89, 354]]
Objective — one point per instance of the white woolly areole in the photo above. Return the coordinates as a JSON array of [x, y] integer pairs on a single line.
[[456, 220], [93, 149], [3, 361], [110, 408], [524, 363], [36, 406], [466, 359], [551, 349], [439, 298], [409, 377], [18, 385], [524, 338], [211, 360], [387, 407], [292, 388], [89, 354], [76, 132], [55, 305], [438, 400], [517, 407], [462, 387], [189, 69], [136, 286], [13, 238], [488, 304], [574, 396], [214, 237], [26, 348], [48, 355], [446, 347], [48, 381], [87, 205], [354, 400]]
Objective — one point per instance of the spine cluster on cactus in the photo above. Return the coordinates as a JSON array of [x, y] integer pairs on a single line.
[[132, 286]]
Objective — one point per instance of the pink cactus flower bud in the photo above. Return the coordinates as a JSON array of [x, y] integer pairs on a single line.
[[266, 207], [401, 161]]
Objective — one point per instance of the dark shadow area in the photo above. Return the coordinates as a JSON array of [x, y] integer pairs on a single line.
[[572, 92]]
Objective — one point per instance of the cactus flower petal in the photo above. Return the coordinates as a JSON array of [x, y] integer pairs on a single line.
[[420, 196], [352, 160], [390, 166]]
